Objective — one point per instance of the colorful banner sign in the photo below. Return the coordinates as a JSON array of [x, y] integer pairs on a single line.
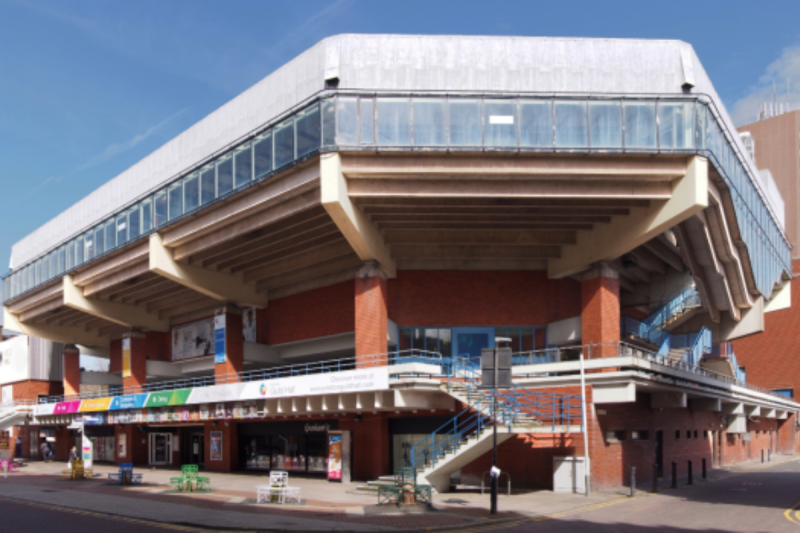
[[132, 401], [94, 420], [219, 339], [368, 379], [126, 357], [216, 446], [97, 404], [335, 457]]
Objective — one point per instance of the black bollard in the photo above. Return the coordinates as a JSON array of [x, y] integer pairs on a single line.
[[704, 468], [690, 472], [674, 475], [655, 478], [633, 481]]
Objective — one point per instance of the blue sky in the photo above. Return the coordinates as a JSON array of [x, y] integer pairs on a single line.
[[88, 88]]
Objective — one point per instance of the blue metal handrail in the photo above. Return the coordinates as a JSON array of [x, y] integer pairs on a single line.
[[647, 332], [725, 350], [688, 297]]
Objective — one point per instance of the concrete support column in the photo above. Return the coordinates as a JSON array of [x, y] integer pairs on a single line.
[[371, 313], [229, 319], [134, 361], [600, 310], [72, 370]]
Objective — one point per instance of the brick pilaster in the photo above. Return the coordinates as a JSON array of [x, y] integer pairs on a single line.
[[600, 310], [72, 370], [371, 313]]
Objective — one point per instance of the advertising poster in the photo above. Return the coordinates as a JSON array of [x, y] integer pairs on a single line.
[[216, 446], [238, 410], [250, 410], [249, 325], [122, 445], [126, 357], [219, 411], [219, 339], [193, 340], [86, 451], [204, 414], [335, 457]]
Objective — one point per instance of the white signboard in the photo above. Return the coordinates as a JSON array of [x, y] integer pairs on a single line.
[[8, 394], [369, 379], [14, 360], [193, 340]]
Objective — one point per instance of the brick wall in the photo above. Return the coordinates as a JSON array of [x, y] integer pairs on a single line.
[[480, 298], [600, 314], [315, 313], [370, 316], [31, 389], [770, 358], [72, 371]]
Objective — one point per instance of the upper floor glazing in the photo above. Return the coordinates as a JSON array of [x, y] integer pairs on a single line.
[[499, 122]]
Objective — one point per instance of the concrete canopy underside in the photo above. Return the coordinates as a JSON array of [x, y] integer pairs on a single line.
[[315, 224]]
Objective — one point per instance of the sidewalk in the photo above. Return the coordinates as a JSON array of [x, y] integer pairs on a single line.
[[231, 503]]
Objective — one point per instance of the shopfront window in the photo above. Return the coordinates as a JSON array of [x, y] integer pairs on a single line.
[[297, 447]]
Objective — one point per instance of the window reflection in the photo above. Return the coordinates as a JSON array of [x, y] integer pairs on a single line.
[[147, 215], [191, 192], [243, 163], [640, 125], [122, 229], [160, 208], [284, 143], [394, 121], [346, 120], [535, 123], [262, 154], [208, 185], [111, 235], [224, 175], [465, 122], [175, 201], [571, 130], [367, 121], [606, 124], [134, 223], [430, 122], [307, 128]]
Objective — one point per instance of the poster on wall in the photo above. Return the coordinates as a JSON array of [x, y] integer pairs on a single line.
[[193, 340], [216, 446], [219, 339], [249, 325], [126, 357], [204, 414], [122, 445], [335, 457]]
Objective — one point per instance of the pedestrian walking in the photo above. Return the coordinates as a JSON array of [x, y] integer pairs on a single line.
[[73, 455], [45, 449]]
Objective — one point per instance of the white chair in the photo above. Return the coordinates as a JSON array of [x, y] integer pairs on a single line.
[[278, 488]]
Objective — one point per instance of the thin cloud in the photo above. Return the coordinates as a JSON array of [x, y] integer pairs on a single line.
[[782, 72], [110, 152]]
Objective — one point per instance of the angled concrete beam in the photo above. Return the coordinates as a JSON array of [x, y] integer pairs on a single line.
[[609, 241], [752, 410], [222, 287], [118, 313], [736, 408], [63, 334], [668, 400], [359, 231]]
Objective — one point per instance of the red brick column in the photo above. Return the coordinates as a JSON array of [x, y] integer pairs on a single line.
[[600, 310], [371, 314], [72, 370], [234, 343], [787, 435], [138, 371]]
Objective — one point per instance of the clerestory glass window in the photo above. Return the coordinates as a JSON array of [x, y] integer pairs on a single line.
[[122, 229], [605, 119], [570, 124], [284, 143], [430, 122], [99, 241], [208, 185], [175, 201], [262, 154], [499, 123], [224, 175], [160, 208], [640, 125], [535, 123], [347, 120], [191, 192], [394, 121], [243, 165], [465, 122], [328, 122], [676, 124], [134, 222], [307, 131], [367, 118], [147, 215]]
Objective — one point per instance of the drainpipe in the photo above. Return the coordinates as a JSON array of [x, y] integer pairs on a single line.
[[587, 469]]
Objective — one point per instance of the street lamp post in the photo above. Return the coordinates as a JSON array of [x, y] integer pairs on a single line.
[[495, 372]]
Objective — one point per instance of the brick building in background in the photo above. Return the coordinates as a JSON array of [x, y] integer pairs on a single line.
[[329, 253], [772, 359]]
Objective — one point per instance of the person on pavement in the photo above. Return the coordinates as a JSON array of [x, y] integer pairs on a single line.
[[73, 455], [45, 449]]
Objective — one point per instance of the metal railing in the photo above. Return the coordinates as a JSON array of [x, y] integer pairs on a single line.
[[646, 332], [687, 298], [512, 406], [624, 349], [725, 350], [287, 371]]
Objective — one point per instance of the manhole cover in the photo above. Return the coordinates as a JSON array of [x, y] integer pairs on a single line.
[[50, 490]]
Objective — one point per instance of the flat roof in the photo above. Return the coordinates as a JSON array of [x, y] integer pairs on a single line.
[[443, 63]]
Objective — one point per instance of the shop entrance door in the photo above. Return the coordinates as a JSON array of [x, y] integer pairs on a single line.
[[197, 449], [160, 448], [470, 341]]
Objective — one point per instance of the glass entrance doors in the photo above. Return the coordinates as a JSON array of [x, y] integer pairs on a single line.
[[160, 448]]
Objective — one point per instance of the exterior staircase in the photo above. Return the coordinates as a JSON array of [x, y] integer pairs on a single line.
[[468, 435], [13, 414]]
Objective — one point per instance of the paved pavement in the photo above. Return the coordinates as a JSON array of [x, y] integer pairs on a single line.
[[751, 497]]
